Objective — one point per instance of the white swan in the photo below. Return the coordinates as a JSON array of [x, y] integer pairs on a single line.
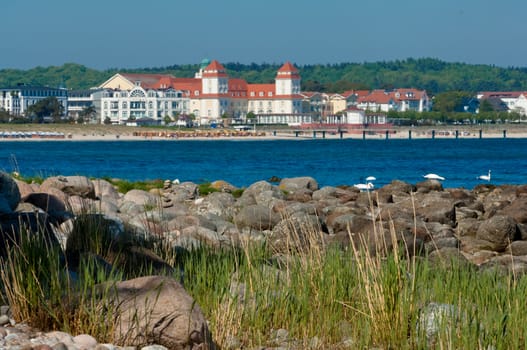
[[485, 177], [433, 177], [364, 187]]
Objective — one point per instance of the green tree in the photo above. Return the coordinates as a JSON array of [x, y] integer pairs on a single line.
[[167, 119], [107, 121], [48, 107], [250, 116], [88, 112], [451, 101], [486, 106]]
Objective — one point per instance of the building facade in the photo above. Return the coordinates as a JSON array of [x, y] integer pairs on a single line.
[[16, 100], [210, 96]]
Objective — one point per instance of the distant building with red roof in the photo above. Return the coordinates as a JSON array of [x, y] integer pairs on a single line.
[[209, 96]]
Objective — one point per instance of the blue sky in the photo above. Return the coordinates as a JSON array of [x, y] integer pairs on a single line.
[[157, 33]]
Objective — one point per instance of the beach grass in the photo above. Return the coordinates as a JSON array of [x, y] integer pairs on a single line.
[[316, 296]]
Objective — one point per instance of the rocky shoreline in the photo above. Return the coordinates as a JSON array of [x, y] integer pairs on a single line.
[[485, 226]]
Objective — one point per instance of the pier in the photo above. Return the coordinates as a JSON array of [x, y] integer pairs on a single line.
[[404, 133]]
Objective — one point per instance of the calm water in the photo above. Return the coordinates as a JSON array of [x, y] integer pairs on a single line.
[[330, 162]]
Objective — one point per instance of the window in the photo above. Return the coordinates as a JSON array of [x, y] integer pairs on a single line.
[[125, 105], [261, 94], [137, 93]]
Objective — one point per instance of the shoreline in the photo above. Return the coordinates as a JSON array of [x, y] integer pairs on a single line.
[[118, 133]]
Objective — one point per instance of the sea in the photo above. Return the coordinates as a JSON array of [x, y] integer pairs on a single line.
[[331, 162]]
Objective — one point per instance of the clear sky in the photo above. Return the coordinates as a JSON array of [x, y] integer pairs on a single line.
[[105, 34]]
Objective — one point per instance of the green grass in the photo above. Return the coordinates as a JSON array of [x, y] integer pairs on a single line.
[[369, 298], [124, 186]]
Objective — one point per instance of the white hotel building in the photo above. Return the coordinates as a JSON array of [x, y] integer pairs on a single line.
[[209, 96], [16, 100]]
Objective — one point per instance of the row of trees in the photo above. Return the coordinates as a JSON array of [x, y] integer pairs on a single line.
[[433, 75]]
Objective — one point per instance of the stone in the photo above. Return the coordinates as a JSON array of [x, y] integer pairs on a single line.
[[142, 198], [257, 216], [223, 186], [71, 185], [518, 248], [158, 309], [296, 183], [9, 191], [499, 231], [50, 203]]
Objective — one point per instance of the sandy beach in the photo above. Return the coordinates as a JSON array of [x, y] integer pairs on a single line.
[[67, 132]]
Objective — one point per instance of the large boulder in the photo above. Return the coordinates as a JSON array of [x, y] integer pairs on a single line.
[[297, 183], [258, 217], [297, 232], [142, 198], [517, 210], [261, 192], [158, 309], [217, 203], [105, 190], [71, 185], [499, 231], [9, 193]]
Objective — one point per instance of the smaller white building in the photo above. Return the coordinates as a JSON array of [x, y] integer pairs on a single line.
[[79, 100], [16, 100], [357, 116], [124, 106]]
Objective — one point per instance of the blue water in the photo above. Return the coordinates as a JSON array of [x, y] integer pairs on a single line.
[[330, 162]]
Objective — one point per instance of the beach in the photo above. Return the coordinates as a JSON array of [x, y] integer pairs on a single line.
[[69, 132]]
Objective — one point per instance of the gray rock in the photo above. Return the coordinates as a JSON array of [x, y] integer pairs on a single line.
[[142, 198], [261, 192], [105, 189], [296, 183], [429, 185], [158, 309], [436, 318], [218, 203], [296, 232], [24, 188], [209, 237], [71, 185], [518, 248], [9, 191], [256, 216], [499, 231]]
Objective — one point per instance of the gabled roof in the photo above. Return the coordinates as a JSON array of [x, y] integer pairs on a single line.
[[187, 84], [149, 81], [214, 69], [261, 91], [287, 71], [408, 94], [376, 96]]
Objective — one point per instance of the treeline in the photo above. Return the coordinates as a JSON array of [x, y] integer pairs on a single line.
[[428, 74]]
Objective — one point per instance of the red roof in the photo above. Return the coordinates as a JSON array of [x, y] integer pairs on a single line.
[[149, 81], [261, 91], [187, 84], [287, 71], [376, 96], [214, 69]]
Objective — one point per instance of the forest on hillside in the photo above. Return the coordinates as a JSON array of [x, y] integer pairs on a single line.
[[433, 75]]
